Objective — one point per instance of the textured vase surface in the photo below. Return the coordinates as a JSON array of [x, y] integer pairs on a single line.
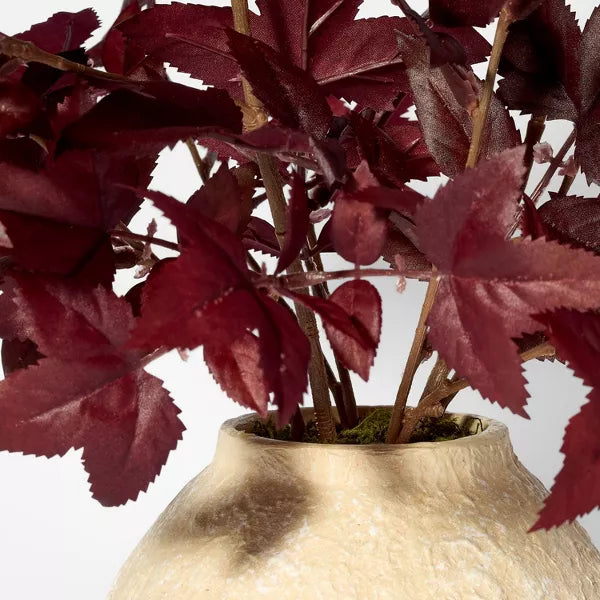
[[287, 521]]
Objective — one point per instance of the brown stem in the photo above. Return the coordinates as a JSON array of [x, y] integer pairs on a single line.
[[480, 118], [480, 114], [413, 362], [566, 184], [535, 131], [128, 235], [301, 280], [435, 403], [437, 377], [557, 161], [202, 167], [348, 396], [336, 391], [542, 186], [28, 52], [298, 426], [274, 189]]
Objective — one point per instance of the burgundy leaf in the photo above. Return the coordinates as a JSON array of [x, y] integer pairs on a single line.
[[237, 368], [222, 200], [362, 302], [485, 278], [63, 31], [573, 220], [541, 63], [290, 94], [353, 59], [297, 224], [206, 295], [57, 218], [89, 393], [260, 235], [447, 125], [136, 122], [576, 489]]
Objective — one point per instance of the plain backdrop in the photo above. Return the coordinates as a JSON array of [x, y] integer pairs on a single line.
[[56, 543]]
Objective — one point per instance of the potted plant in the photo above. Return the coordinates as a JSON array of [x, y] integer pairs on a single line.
[[305, 111]]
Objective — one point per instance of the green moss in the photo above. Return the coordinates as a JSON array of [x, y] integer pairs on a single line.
[[444, 429], [373, 428]]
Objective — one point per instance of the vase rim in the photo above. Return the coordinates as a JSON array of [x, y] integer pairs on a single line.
[[493, 432]]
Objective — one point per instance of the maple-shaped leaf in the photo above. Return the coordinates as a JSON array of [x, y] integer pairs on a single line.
[[207, 295], [297, 224], [576, 489], [446, 123], [63, 31], [471, 12], [58, 218], [290, 94], [89, 392], [353, 59], [573, 220], [136, 122], [541, 66], [484, 278]]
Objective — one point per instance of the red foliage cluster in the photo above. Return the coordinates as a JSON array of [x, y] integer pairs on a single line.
[[78, 147]]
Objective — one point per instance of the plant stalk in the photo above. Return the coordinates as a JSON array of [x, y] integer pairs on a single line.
[[480, 114], [480, 118], [535, 131], [274, 188]]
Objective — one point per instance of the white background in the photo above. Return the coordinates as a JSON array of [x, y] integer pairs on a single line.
[[56, 543]]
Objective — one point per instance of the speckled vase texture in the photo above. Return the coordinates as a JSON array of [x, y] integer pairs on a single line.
[[287, 521]]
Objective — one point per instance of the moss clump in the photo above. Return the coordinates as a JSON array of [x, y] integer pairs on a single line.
[[444, 429], [373, 428], [267, 429]]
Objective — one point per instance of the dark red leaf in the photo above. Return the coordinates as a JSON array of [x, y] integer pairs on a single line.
[[353, 59], [576, 489], [62, 32], [541, 63], [237, 368], [206, 295], [136, 122], [260, 235], [289, 93], [486, 279], [573, 220], [222, 200], [57, 218], [297, 224], [363, 304], [89, 393], [446, 124]]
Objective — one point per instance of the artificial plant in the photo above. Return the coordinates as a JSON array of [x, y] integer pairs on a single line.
[[304, 107]]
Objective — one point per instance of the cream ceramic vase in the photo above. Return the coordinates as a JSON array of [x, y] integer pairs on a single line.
[[428, 521]]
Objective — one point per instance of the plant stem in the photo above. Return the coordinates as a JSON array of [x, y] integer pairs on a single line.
[[480, 118], [274, 189], [557, 161], [566, 184], [412, 363], [480, 114], [535, 130], [128, 235], [297, 281], [202, 168], [436, 402], [28, 52], [350, 409]]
